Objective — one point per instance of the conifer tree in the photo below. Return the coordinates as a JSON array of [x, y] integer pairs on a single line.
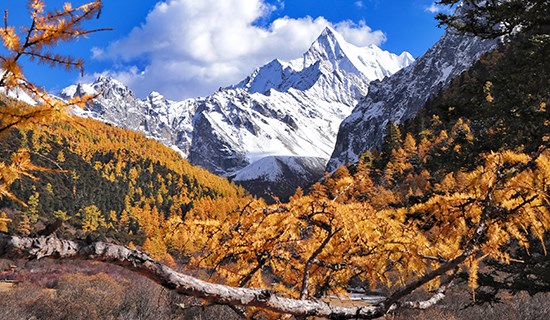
[[92, 219], [36, 42], [393, 139], [4, 222], [490, 19]]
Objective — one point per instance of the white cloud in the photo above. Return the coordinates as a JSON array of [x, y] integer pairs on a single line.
[[187, 48], [433, 8], [359, 4], [437, 8]]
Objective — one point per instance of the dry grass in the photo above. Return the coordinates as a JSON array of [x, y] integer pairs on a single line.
[[98, 291], [458, 306], [5, 287]]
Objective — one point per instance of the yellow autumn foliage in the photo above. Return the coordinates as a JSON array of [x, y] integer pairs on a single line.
[[36, 42], [355, 228]]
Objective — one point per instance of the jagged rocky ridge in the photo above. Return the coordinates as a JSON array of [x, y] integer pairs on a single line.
[[402, 95], [284, 109]]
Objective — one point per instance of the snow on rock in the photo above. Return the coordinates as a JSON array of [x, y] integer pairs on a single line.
[[280, 176], [271, 168], [19, 95], [371, 61], [399, 97], [78, 90], [283, 108]]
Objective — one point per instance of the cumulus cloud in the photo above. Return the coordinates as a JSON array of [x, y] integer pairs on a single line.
[[436, 8], [188, 48], [359, 4], [433, 8]]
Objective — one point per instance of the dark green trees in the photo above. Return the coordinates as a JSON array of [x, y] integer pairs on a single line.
[[493, 18]]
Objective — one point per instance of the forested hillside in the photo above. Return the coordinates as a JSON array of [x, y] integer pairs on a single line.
[[503, 97], [103, 180], [497, 107]]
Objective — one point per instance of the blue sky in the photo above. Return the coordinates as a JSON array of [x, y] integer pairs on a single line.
[[188, 48]]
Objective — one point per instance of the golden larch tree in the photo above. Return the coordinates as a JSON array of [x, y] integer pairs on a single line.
[[36, 42]]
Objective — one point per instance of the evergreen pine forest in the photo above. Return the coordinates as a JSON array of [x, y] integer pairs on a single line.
[[456, 202]]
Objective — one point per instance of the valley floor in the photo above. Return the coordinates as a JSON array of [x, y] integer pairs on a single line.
[[52, 290]]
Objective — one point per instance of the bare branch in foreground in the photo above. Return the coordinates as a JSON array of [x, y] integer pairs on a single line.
[[425, 304], [16, 247]]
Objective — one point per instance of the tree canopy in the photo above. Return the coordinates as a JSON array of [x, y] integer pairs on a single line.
[[36, 42], [493, 18]]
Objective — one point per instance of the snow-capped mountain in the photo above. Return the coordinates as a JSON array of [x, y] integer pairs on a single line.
[[402, 95], [280, 176], [283, 109], [167, 121]]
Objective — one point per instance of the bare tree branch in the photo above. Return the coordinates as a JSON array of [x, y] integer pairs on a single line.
[[311, 261], [35, 248], [436, 298]]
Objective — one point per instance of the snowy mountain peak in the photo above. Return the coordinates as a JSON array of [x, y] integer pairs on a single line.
[[157, 100], [401, 96], [78, 90], [370, 61], [100, 85], [331, 37], [83, 89], [155, 96], [405, 58], [108, 81], [270, 76], [329, 53], [329, 46], [112, 88], [329, 32]]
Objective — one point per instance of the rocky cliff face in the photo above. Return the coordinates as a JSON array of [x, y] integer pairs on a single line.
[[402, 95]]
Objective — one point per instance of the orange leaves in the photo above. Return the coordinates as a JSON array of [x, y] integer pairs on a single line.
[[11, 73], [153, 202], [313, 238], [156, 248], [411, 222], [509, 193], [10, 38], [20, 165], [489, 98], [61, 25], [67, 6], [37, 6], [47, 30], [472, 264], [3, 221]]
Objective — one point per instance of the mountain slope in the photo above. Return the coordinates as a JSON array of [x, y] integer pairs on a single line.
[[279, 176], [402, 95], [113, 181], [282, 109]]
